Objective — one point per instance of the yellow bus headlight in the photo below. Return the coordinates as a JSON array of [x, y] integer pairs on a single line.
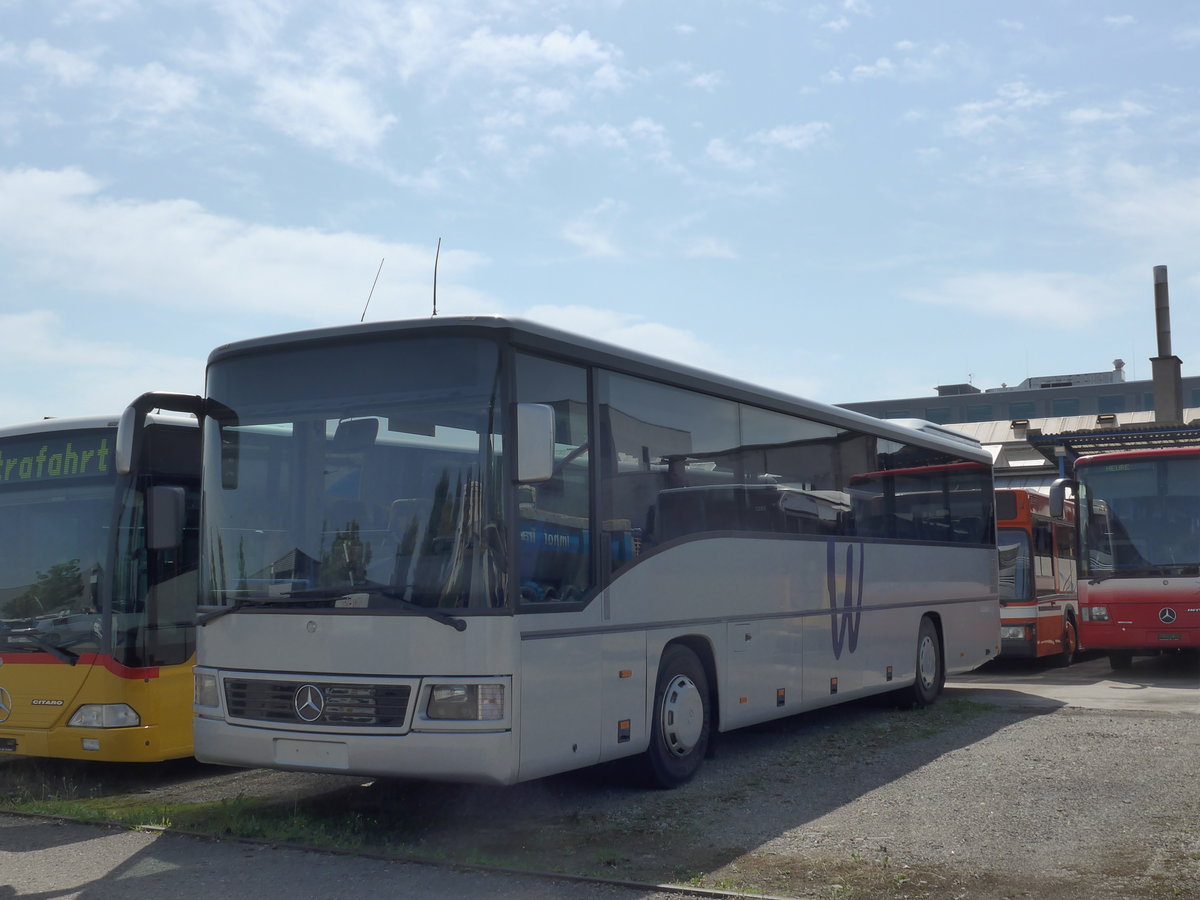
[[105, 715]]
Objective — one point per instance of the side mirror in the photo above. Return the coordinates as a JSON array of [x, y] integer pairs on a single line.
[[535, 442], [134, 418], [1058, 496], [164, 517]]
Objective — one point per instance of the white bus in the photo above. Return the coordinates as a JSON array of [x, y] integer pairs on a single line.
[[477, 549]]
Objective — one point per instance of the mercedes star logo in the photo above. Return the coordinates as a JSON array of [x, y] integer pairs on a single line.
[[308, 702], [1166, 615], [5, 704]]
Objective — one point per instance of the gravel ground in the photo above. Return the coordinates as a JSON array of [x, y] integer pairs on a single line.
[[963, 800]]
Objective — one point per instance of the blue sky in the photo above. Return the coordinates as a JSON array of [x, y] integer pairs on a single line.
[[848, 200]]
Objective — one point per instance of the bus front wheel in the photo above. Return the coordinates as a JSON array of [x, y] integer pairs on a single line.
[[1070, 643], [682, 721], [1120, 660]]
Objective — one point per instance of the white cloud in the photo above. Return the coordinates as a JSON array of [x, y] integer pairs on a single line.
[[61, 229], [93, 11], [589, 235], [153, 89], [708, 248], [69, 69], [506, 55], [1092, 115], [793, 137], [707, 81], [1046, 298], [327, 111], [1119, 21], [1188, 35], [1149, 210], [580, 134], [719, 151], [881, 68], [625, 330], [97, 377], [1003, 111]]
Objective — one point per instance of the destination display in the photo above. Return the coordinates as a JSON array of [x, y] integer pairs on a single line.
[[50, 457]]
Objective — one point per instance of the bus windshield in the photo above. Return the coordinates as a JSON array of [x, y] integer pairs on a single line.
[[1145, 515], [1016, 582], [56, 499], [364, 476]]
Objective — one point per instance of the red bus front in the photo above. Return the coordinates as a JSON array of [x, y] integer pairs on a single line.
[[1139, 585]]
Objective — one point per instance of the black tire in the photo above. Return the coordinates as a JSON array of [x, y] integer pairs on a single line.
[[681, 720], [930, 673], [1120, 660], [1070, 642]]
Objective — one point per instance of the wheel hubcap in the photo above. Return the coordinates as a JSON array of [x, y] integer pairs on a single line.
[[927, 662], [682, 715]]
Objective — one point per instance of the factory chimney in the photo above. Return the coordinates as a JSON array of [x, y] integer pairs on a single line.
[[1168, 384]]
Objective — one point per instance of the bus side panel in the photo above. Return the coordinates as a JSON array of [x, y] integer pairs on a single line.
[[560, 687], [876, 596], [764, 674], [625, 675]]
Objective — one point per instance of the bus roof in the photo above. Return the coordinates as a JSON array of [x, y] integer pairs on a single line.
[[580, 349], [80, 423], [1146, 453]]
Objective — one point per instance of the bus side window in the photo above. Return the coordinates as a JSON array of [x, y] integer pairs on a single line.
[[554, 526]]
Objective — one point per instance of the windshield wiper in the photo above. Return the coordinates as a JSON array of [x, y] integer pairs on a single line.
[[392, 593], [60, 653], [377, 590], [243, 602]]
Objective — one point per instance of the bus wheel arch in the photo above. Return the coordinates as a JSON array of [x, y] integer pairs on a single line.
[[683, 716], [1070, 642]]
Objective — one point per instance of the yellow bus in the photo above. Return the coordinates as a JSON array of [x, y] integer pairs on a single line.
[[98, 590]]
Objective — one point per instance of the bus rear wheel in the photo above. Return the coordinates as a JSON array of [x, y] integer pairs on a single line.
[[931, 674], [682, 720]]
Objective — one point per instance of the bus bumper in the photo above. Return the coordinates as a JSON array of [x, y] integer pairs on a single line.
[[1123, 637], [138, 744], [478, 757]]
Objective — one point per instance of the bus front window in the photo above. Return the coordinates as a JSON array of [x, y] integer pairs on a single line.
[[51, 552], [364, 478]]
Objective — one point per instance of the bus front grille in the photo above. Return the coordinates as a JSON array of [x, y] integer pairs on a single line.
[[317, 702]]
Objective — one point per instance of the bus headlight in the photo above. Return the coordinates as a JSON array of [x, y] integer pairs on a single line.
[[1094, 613], [1014, 632], [466, 702], [204, 690], [105, 715]]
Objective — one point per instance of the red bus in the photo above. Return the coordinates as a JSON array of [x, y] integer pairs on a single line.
[[1139, 560], [1039, 614]]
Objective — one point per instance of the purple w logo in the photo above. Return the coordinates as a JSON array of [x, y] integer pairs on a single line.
[[844, 626]]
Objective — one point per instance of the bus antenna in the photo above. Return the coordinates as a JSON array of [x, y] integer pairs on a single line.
[[373, 283], [436, 254]]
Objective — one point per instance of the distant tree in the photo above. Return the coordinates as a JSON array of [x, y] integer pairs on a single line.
[[54, 589]]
